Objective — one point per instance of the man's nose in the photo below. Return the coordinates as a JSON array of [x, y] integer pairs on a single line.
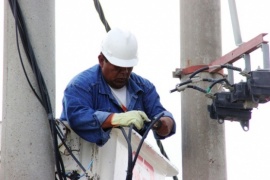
[[125, 70]]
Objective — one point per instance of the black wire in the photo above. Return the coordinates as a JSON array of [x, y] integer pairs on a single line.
[[197, 88], [129, 168], [101, 15], [44, 98], [18, 26], [229, 66], [60, 134], [131, 163], [208, 79], [158, 141], [128, 139], [198, 71], [162, 151], [73, 156], [222, 66], [156, 118], [218, 81], [181, 84]]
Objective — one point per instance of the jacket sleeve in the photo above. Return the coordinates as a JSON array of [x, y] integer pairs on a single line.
[[153, 106], [82, 118]]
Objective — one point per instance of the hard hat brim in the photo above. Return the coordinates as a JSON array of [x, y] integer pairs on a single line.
[[121, 62]]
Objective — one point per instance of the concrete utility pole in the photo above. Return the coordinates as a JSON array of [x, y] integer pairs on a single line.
[[27, 151], [203, 139]]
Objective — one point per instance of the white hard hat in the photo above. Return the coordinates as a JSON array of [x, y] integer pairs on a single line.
[[120, 48]]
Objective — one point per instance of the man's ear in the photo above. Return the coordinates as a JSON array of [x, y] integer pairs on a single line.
[[100, 60]]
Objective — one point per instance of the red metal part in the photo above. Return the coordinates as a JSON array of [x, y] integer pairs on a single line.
[[228, 58], [189, 70], [237, 53]]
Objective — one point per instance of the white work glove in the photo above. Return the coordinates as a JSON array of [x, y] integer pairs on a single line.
[[131, 117]]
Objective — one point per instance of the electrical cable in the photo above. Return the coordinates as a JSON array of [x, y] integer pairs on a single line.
[[19, 26], [162, 151], [73, 156], [128, 139], [197, 88], [218, 81], [131, 163], [214, 81], [101, 15], [229, 66], [156, 118], [198, 71], [209, 79], [192, 76], [44, 98], [181, 84], [129, 170]]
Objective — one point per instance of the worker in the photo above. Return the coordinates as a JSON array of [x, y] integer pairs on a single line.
[[110, 95]]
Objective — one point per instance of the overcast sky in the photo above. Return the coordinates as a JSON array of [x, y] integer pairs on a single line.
[[156, 25]]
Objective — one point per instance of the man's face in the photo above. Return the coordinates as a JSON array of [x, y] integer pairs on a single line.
[[117, 77]]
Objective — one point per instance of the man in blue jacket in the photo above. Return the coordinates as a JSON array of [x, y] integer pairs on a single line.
[[110, 95]]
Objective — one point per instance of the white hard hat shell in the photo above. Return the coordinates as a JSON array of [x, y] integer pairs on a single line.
[[120, 48]]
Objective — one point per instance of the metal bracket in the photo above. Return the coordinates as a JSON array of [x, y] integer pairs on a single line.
[[240, 52]]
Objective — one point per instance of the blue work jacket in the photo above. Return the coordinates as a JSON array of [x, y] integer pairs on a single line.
[[88, 101]]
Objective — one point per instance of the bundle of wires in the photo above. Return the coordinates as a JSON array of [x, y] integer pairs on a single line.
[[41, 93], [193, 79]]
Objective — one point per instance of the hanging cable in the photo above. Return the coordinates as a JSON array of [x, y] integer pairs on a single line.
[[131, 163], [156, 118], [43, 98], [101, 15], [128, 140], [162, 151]]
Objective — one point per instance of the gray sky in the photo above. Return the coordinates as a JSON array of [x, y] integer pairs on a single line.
[[78, 36]]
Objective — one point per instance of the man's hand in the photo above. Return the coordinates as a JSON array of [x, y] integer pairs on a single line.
[[131, 117], [166, 126]]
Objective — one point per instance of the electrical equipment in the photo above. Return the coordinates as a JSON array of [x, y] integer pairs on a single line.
[[223, 108], [237, 104], [241, 98], [240, 93]]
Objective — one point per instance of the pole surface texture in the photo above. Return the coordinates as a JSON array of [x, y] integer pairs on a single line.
[[26, 147], [203, 139]]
